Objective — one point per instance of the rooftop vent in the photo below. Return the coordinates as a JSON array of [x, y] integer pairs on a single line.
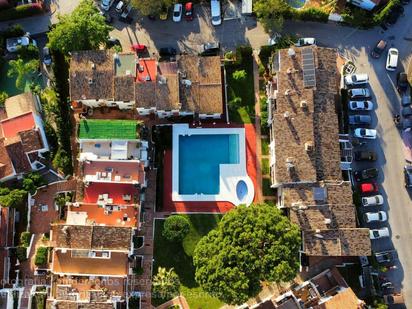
[[309, 146], [162, 80], [187, 83], [327, 221], [288, 92], [148, 78], [303, 104], [289, 71], [90, 81], [93, 66], [291, 52], [128, 72], [286, 114], [65, 229], [319, 235], [289, 164], [140, 67]]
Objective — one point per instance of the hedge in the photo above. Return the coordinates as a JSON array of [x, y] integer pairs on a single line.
[[21, 253], [25, 239], [41, 256], [21, 11], [310, 14]]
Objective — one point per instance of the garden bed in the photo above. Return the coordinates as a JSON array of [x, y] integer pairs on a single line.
[[179, 256]]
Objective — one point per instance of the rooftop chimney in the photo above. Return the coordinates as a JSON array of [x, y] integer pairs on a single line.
[[291, 52], [309, 146]]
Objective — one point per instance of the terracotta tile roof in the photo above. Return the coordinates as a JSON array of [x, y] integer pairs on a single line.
[[342, 242], [6, 166], [17, 155], [31, 140], [116, 193], [20, 104], [73, 305], [204, 95], [306, 134], [117, 265], [12, 126], [91, 75], [344, 299], [145, 94], [333, 192], [124, 88], [91, 237]]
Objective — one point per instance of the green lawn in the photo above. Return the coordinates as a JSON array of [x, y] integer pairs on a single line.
[[8, 84], [267, 190], [179, 256], [241, 96], [108, 129], [265, 166], [265, 146]]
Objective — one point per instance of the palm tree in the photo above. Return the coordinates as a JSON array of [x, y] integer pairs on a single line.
[[21, 70], [166, 283]]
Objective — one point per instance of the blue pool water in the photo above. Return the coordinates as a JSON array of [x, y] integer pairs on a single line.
[[199, 160]]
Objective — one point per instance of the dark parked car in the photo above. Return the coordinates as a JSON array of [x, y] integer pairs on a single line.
[[394, 14], [406, 100], [402, 82], [210, 49], [407, 111], [406, 123], [365, 156], [369, 173], [360, 120], [167, 52], [379, 49], [385, 256], [112, 42], [407, 170]]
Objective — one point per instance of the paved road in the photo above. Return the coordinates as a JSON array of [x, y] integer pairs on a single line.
[[356, 45]]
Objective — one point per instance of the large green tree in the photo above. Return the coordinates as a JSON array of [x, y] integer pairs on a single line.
[[22, 70], [176, 227], [83, 29], [271, 13], [250, 245], [151, 7]]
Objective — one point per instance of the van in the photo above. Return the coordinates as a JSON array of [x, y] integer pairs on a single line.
[[392, 59], [215, 12]]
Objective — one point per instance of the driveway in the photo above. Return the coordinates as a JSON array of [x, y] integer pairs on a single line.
[[356, 45], [188, 36]]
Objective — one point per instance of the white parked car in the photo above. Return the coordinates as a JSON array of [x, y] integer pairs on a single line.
[[374, 200], [379, 233], [392, 59], [365, 133], [356, 79], [360, 105], [379, 216], [12, 44], [177, 12], [119, 6], [359, 93], [215, 12], [106, 4], [305, 42]]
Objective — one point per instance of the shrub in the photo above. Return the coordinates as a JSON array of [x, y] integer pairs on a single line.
[[310, 14], [40, 300], [239, 75], [13, 31], [41, 256], [175, 228], [25, 239], [28, 52], [3, 98], [383, 14], [21, 11], [21, 253]]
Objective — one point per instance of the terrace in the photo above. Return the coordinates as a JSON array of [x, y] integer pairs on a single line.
[[115, 172], [110, 215], [96, 129], [108, 194], [113, 150], [71, 262]]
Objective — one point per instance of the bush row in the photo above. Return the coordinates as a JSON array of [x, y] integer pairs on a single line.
[[41, 256], [310, 14], [21, 11]]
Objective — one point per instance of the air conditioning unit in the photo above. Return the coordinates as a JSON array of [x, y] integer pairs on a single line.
[[90, 81], [309, 146], [286, 114], [328, 221], [93, 66]]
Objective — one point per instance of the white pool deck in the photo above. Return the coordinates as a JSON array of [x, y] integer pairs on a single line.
[[230, 174]]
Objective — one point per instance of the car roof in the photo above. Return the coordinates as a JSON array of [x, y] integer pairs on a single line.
[[381, 44], [188, 5]]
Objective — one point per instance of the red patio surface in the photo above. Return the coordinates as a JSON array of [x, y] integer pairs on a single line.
[[220, 207], [120, 171], [12, 126], [114, 191], [149, 67], [97, 214]]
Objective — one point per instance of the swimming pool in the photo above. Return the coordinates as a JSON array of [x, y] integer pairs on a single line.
[[209, 164], [200, 157]]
